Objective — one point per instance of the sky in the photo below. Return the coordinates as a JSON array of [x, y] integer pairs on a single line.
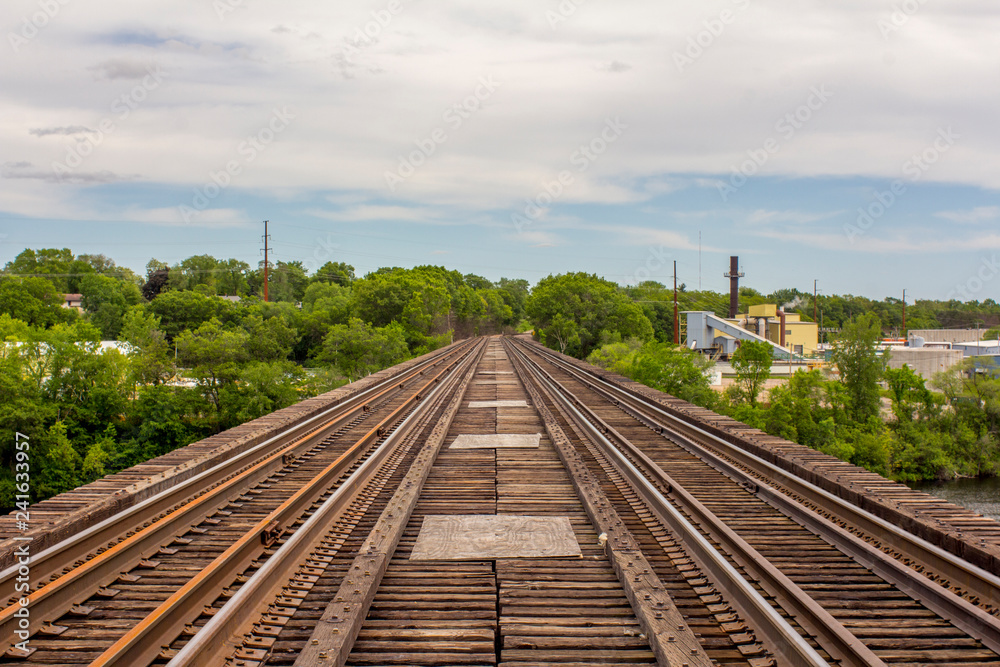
[[852, 143]]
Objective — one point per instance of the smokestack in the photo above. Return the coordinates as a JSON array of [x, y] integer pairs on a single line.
[[734, 276]]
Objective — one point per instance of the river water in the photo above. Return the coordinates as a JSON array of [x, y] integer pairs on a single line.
[[979, 495]]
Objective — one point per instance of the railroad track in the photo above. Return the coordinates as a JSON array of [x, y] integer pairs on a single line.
[[102, 581], [915, 604], [502, 505]]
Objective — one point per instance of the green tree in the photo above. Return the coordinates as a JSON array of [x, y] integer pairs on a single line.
[[358, 349], [338, 273], [214, 355], [195, 271], [164, 418], [515, 294], [187, 310], [260, 389], [34, 301], [908, 392], [106, 300], [752, 363], [57, 265], [576, 311], [675, 370], [418, 299], [616, 357], [287, 282], [497, 313], [324, 305], [99, 455], [270, 339], [993, 333], [151, 354], [61, 472], [860, 365]]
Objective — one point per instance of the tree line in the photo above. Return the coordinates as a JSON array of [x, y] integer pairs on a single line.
[[192, 360], [951, 427]]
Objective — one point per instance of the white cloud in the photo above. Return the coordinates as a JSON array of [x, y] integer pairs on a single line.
[[227, 74], [888, 244], [764, 216], [978, 214]]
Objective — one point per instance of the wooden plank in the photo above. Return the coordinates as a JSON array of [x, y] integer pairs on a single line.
[[672, 640], [338, 627], [488, 537]]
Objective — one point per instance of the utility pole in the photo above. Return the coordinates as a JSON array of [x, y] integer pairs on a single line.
[[815, 292], [677, 329], [266, 265], [904, 313]]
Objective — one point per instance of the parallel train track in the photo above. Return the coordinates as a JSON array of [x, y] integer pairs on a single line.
[[691, 550]]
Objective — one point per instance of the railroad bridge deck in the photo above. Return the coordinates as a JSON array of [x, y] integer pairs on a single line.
[[497, 503]]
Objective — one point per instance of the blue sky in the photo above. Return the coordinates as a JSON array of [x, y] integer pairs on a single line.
[[852, 143]]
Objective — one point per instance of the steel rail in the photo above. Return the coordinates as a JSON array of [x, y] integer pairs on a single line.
[[776, 633], [83, 580], [220, 635], [55, 558], [833, 636], [956, 570], [142, 643], [965, 615]]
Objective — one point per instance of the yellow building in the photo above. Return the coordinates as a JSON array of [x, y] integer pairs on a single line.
[[800, 337]]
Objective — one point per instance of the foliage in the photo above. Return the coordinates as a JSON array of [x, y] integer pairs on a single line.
[[752, 363], [337, 273], [860, 365], [908, 392], [669, 368], [106, 300], [34, 301], [260, 388], [90, 412], [214, 355], [61, 472], [576, 312], [151, 355], [358, 349]]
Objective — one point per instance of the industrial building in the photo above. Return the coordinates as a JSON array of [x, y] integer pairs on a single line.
[[930, 351], [785, 332], [945, 335], [924, 361]]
